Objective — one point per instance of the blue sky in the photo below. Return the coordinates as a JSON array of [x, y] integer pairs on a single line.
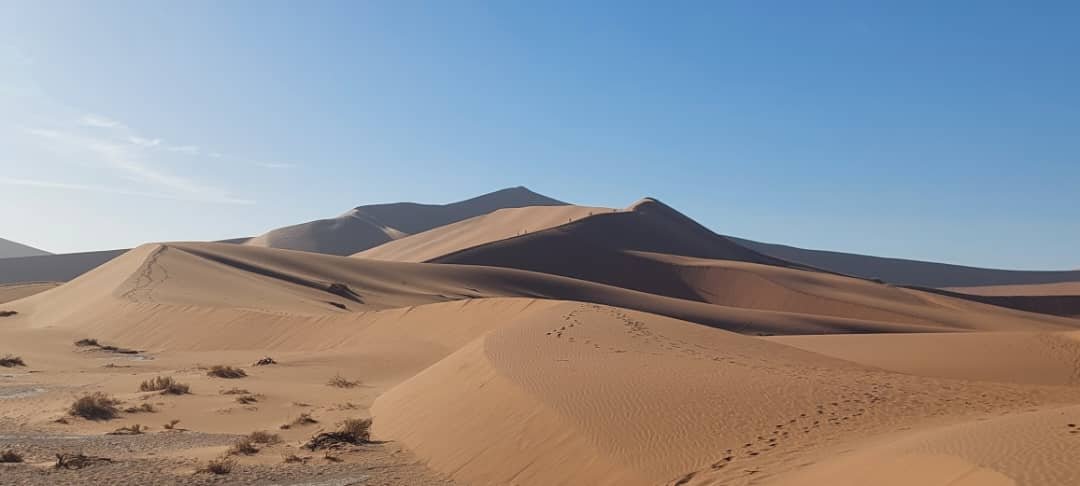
[[907, 129]]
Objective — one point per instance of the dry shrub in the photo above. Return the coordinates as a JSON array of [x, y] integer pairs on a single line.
[[352, 431], [10, 361], [222, 371], [235, 391], [245, 446], [87, 342], [7, 313], [246, 399], [146, 407], [171, 425], [341, 382], [129, 430], [264, 437], [303, 419], [221, 465], [95, 406], [78, 461], [290, 458], [166, 385], [10, 456], [265, 361]]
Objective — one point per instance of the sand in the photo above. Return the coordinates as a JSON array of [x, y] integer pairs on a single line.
[[618, 347]]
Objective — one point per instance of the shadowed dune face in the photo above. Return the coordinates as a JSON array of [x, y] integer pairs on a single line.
[[909, 272]]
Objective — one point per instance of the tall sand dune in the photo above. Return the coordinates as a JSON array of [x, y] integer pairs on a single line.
[[365, 227]]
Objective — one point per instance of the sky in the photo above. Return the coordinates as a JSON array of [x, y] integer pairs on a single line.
[[910, 129]]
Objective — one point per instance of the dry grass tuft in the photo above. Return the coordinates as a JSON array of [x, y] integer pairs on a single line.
[[245, 446], [87, 342], [171, 425], [95, 406], [166, 385], [78, 461], [341, 382], [235, 391], [146, 407], [352, 431], [221, 465], [264, 437], [303, 419], [222, 371], [10, 456], [7, 313], [247, 399], [129, 430], [10, 361], [265, 361], [290, 458]]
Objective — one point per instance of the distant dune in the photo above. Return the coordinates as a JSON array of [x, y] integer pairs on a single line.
[[369, 226], [52, 268], [11, 249], [909, 272]]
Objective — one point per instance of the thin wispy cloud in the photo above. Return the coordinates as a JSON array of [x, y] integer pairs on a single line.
[[67, 186], [126, 156]]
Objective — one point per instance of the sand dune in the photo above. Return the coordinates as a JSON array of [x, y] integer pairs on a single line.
[[217, 275], [909, 272], [494, 375], [52, 268], [10, 292], [586, 394], [368, 226], [473, 232], [11, 249]]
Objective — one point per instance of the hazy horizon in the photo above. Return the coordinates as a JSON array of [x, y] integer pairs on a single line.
[[939, 133]]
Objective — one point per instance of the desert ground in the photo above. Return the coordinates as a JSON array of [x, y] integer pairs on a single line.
[[531, 342]]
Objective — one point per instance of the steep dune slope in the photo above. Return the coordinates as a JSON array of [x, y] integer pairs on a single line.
[[368, 226], [473, 232]]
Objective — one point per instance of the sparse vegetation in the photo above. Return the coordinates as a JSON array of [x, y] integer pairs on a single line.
[[135, 429], [245, 446], [290, 458], [10, 456], [264, 437], [221, 465], [265, 361], [7, 313], [10, 361], [342, 382], [352, 431], [91, 342], [222, 371], [95, 406], [171, 425], [303, 419], [166, 385], [235, 391], [246, 399], [78, 461], [146, 407]]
